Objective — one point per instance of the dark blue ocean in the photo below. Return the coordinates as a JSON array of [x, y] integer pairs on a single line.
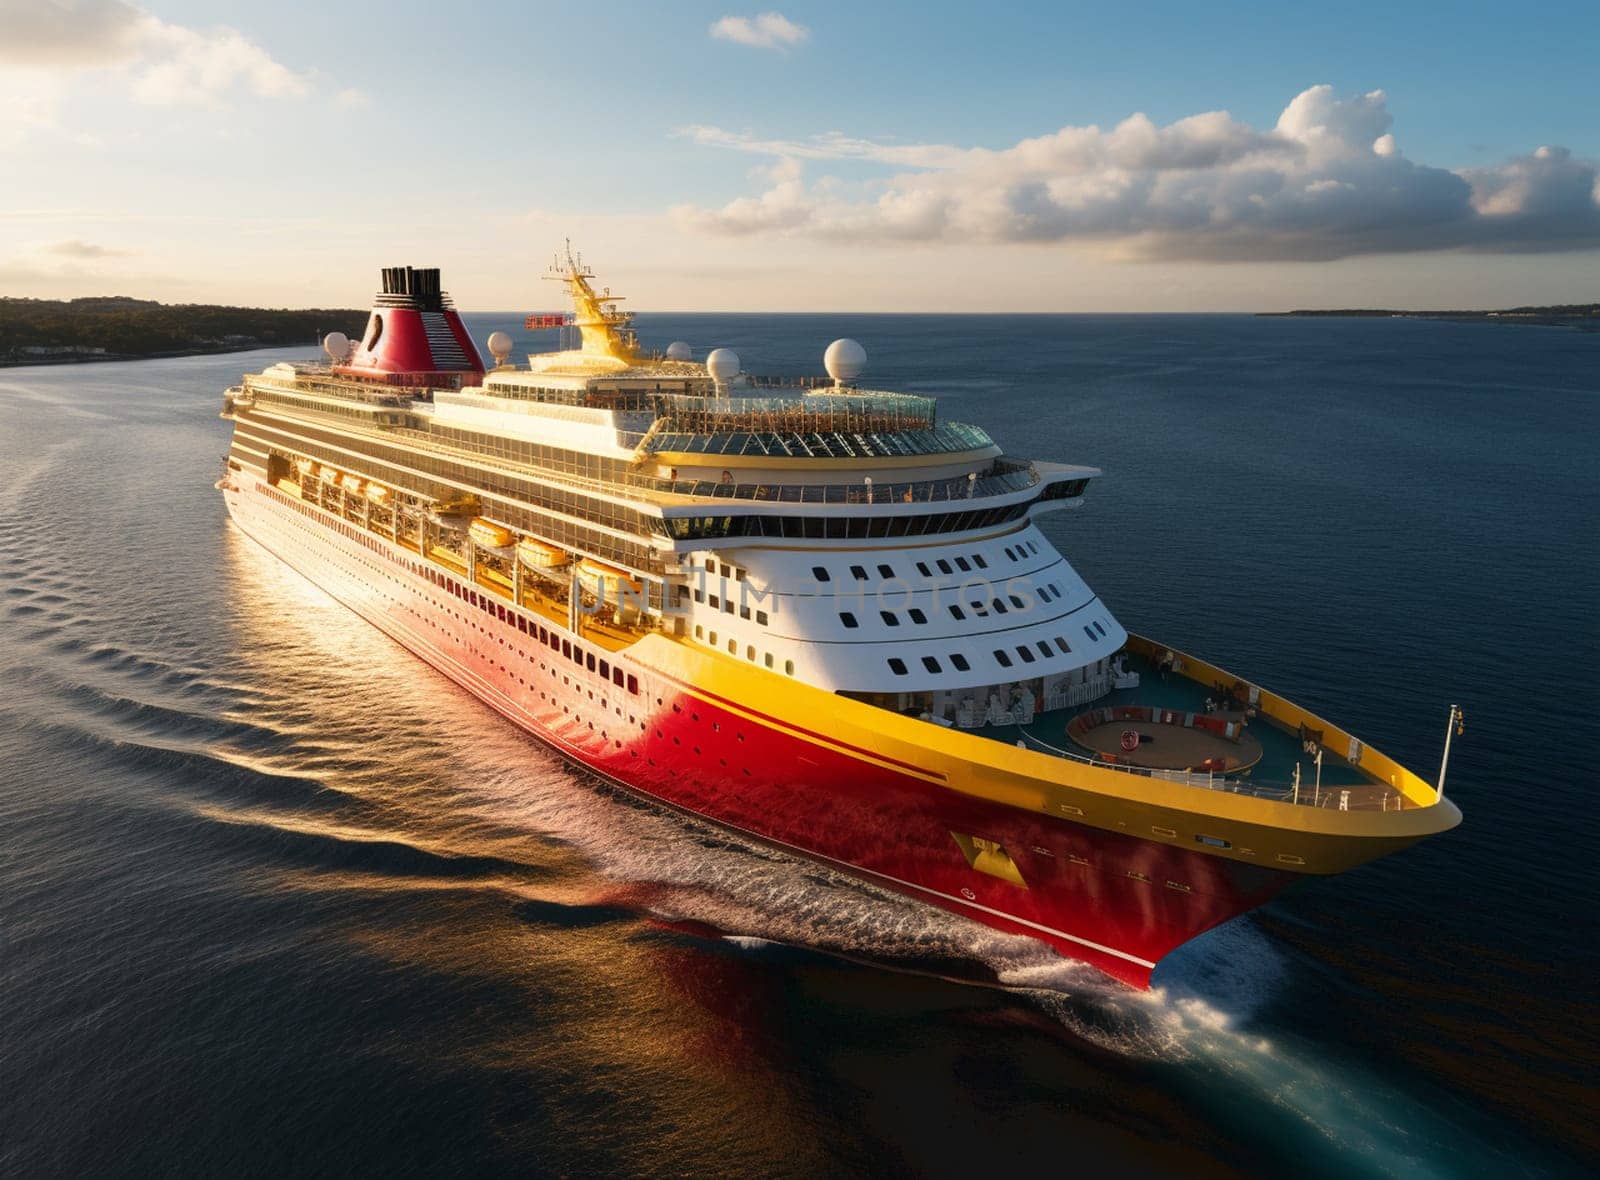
[[276, 899]]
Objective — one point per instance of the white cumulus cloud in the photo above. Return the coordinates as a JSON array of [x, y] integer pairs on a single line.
[[182, 65], [1327, 181], [769, 30], [138, 54]]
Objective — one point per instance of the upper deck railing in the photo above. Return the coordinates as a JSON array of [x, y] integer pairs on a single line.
[[800, 413], [1000, 477]]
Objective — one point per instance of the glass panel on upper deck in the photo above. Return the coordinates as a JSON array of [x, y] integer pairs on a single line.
[[944, 438], [839, 410]]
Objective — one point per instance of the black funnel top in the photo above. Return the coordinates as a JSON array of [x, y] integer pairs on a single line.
[[407, 286]]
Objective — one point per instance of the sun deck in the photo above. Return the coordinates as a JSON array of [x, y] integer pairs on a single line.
[[1192, 723]]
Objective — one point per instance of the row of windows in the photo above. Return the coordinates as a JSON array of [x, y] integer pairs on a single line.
[[366, 414], [725, 604], [483, 602], [962, 565], [1025, 653], [528, 490], [1069, 489], [767, 660], [891, 619], [931, 663], [508, 505], [517, 491], [723, 569], [839, 528], [557, 460]]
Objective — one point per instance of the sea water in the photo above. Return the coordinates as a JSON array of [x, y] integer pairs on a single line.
[[275, 897]]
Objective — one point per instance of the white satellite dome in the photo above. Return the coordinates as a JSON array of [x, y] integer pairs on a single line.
[[723, 365], [499, 347], [336, 345], [679, 351], [844, 360]]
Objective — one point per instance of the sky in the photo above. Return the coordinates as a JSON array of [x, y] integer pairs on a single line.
[[877, 157]]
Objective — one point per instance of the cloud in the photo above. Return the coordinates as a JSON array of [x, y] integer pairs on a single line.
[[352, 99], [152, 61], [68, 32], [77, 248], [830, 145], [1327, 181], [182, 65], [769, 30]]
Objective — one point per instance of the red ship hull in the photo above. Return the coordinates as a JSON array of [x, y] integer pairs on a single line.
[[1112, 900]]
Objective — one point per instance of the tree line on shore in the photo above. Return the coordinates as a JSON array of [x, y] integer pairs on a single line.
[[117, 326]]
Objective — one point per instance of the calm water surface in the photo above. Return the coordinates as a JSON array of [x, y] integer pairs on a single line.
[[274, 897]]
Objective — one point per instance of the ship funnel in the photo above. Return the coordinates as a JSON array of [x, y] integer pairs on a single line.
[[414, 335]]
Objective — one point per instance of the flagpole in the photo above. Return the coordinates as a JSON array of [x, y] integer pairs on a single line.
[[1449, 731]]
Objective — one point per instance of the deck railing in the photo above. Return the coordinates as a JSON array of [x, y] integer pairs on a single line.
[[999, 478], [1343, 797], [864, 412]]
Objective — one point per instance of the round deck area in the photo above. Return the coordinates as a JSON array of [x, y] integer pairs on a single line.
[[1164, 744]]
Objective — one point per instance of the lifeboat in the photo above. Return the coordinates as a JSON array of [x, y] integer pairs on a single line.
[[540, 556], [377, 493], [351, 484], [464, 504], [488, 534], [330, 476], [305, 467], [592, 575]]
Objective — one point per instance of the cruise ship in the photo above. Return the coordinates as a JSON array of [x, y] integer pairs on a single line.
[[820, 615]]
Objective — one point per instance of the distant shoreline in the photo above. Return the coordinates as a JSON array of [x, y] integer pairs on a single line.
[[1583, 316], [107, 357]]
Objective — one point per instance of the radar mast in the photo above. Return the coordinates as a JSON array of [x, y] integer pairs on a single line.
[[605, 330]]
